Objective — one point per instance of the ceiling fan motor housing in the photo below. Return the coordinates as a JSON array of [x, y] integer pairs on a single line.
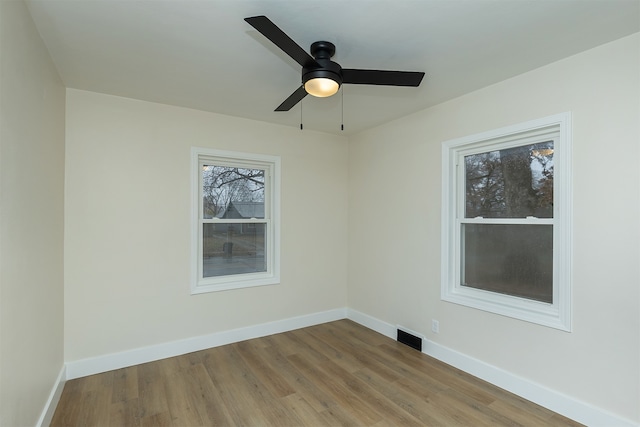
[[322, 51]]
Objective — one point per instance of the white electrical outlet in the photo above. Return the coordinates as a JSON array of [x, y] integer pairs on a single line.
[[435, 326]]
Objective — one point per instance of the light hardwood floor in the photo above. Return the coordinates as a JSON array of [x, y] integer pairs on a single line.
[[335, 374]]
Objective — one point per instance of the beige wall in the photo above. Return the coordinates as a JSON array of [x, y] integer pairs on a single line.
[[127, 219], [31, 220], [394, 227]]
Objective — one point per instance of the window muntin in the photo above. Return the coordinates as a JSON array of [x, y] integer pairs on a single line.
[[235, 233], [506, 210]]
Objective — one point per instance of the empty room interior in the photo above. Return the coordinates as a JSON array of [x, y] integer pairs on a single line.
[[172, 185]]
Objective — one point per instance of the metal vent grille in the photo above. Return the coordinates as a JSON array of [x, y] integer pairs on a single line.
[[410, 340]]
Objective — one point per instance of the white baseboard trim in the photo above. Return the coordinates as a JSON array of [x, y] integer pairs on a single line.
[[52, 402], [109, 362], [562, 404], [384, 328], [558, 402]]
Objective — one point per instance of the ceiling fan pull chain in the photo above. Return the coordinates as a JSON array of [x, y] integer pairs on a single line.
[[342, 102], [300, 115]]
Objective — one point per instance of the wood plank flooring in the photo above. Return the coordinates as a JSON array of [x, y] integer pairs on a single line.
[[335, 374]]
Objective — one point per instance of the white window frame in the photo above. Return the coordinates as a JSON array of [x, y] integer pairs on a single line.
[[271, 166], [557, 314]]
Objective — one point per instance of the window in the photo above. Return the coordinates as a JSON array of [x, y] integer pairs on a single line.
[[506, 221], [235, 220]]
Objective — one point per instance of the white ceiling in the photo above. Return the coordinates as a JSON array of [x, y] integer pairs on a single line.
[[203, 55]]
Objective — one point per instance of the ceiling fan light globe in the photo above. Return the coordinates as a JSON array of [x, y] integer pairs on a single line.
[[321, 87]]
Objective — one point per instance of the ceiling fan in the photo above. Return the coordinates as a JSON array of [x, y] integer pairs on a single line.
[[321, 76]]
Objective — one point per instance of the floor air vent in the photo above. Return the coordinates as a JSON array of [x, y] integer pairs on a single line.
[[409, 339]]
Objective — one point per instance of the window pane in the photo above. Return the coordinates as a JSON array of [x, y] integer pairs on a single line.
[[511, 183], [509, 259], [237, 248], [231, 192]]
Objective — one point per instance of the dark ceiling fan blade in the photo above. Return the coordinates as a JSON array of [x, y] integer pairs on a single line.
[[379, 77], [280, 39], [292, 100]]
